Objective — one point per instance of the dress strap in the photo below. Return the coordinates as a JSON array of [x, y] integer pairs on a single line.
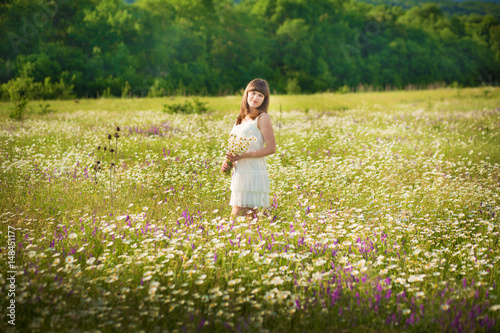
[[257, 119]]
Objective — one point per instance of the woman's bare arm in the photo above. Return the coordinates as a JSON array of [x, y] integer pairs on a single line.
[[266, 128]]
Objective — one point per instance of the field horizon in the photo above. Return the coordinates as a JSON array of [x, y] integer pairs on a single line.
[[316, 102]]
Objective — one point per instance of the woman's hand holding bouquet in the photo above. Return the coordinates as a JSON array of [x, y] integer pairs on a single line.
[[237, 146]]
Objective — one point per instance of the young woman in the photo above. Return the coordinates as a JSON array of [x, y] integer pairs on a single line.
[[250, 182]]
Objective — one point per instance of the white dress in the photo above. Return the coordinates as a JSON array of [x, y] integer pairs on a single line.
[[250, 182]]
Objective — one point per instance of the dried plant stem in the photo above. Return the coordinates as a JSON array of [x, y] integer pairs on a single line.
[[110, 184], [116, 153]]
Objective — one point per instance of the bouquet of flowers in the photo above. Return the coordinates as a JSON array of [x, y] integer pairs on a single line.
[[238, 145]]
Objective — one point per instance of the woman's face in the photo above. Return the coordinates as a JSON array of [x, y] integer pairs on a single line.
[[255, 99]]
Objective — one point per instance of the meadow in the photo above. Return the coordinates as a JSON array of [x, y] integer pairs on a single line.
[[384, 217]]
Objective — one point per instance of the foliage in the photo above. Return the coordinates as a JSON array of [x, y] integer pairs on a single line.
[[126, 90], [292, 87], [449, 7], [20, 90], [344, 90], [196, 106], [57, 90], [19, 101], [91, 48], [44, 109]]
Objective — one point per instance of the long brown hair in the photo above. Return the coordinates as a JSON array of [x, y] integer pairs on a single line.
[[261, 86]]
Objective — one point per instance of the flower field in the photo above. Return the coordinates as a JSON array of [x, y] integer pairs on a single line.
[[384, 217]]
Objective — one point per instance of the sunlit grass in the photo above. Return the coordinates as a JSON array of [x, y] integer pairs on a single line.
[[384, 216], [440, 100]]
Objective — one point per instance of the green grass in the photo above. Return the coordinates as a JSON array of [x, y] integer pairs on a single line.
[[438, 100], [384, 217]]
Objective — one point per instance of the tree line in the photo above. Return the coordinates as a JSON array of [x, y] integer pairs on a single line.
[[95, 48], [450, 7]]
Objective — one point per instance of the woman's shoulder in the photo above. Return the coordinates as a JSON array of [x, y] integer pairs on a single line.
[[263, 118], [264, 115]]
